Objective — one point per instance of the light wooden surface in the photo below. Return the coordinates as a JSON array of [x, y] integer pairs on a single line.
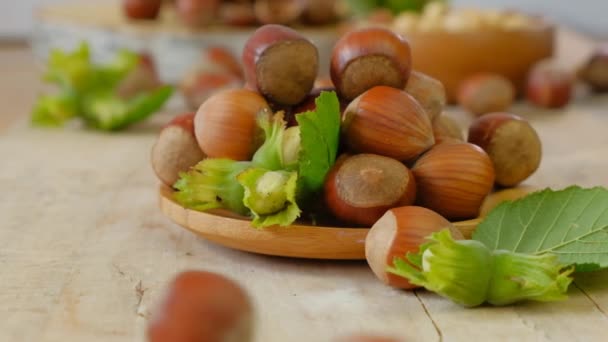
[[297, 240], [85, 252]]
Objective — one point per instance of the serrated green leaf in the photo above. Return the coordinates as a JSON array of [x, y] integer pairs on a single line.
[[571, 223], [319, 139]]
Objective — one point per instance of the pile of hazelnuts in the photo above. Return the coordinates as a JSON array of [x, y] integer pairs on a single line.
[[237, 13], [397, 148]]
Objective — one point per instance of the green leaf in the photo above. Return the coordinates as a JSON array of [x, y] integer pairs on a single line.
[[271, 196], [319, 139], [571, 223]]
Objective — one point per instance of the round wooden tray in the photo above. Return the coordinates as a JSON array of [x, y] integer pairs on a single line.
[[298, 240]]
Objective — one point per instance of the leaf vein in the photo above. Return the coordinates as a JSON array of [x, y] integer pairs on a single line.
[[559, 214], [552, 249], [525, 228]]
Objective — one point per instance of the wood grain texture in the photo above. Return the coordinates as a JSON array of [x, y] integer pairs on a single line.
[[85, 253]]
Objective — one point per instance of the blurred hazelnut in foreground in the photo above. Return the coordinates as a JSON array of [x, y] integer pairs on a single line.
[[202, 307]]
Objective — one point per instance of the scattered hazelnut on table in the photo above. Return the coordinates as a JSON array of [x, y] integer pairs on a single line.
[[141, 9], [595, 71], [197, 13], [202, 307], [549, 86], [484, 93]]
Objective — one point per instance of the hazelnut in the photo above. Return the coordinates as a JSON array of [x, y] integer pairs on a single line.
[[486, 93], [511, 143]]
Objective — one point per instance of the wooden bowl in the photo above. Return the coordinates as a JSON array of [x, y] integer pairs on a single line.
[[297, 240], [451, 57]]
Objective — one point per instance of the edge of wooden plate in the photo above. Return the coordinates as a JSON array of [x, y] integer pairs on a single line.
[[297, 240]]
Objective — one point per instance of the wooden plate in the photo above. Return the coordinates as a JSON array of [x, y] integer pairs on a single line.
[[298, 240]]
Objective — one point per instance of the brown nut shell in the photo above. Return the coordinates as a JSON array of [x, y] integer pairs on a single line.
[[359, 189], [280, 63], [549, 86], [429, 92], [176, 149], [225, 125], [202, 306], [237, 14], [446, 129], [511, 143], [367, 58], [486, 93], [454, 179], [389, 122], [281, 12], [595, 71], [141, 9], [197, 13]]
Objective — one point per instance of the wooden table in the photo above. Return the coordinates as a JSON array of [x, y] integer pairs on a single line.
[[85, 253]]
